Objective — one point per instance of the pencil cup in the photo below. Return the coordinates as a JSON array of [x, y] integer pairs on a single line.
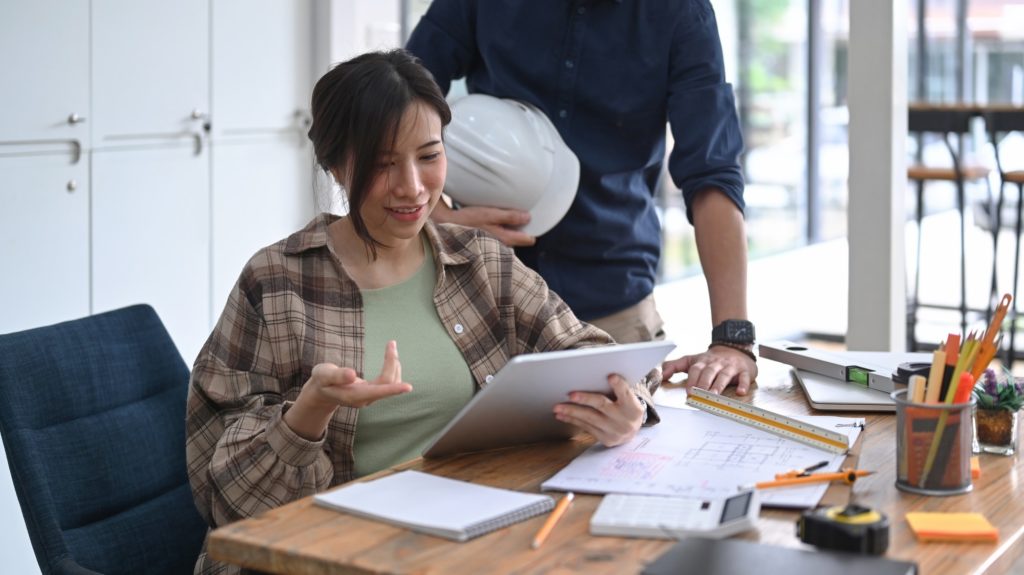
[[933, 446]]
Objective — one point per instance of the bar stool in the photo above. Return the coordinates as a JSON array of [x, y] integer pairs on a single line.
[[1002, 121], [946, 121]]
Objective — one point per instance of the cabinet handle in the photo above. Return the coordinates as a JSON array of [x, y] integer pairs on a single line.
[[74, 118], [76, 150], [72, 186]]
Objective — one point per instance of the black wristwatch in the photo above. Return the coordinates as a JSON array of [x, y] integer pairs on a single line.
[[733, 331]]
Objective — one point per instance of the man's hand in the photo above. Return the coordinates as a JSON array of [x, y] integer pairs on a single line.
[[501, 223], [714, 370]]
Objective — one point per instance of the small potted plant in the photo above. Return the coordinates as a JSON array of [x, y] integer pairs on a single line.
[[999, 399]]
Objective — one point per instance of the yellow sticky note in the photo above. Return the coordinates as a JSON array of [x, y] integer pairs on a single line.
[[952, 527]]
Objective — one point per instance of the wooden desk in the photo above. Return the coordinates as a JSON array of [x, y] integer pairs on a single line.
[[301, 538]]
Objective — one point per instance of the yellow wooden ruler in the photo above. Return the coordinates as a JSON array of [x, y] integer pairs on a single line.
[[769, 421]]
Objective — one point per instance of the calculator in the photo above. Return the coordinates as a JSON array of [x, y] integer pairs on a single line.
[[660, 517]]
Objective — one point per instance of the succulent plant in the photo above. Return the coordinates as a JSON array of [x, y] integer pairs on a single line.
[[993, 391]]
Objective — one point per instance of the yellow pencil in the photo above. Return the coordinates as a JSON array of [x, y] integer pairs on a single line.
[[847, 475], [557, 514], [935, 377]]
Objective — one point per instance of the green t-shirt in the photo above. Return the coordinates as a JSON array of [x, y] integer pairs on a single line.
[[398, 428]]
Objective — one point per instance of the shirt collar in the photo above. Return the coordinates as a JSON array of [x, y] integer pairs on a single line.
[[449, 249], [313, 236]]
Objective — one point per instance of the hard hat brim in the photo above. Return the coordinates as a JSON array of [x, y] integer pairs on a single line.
[[556, 200]]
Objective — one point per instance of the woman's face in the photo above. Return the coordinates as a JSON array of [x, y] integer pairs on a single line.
[[409, 180]]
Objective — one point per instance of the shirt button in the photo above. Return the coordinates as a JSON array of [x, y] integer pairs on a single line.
[[458, 328], [568, 64], [489, 378], [562, 113]]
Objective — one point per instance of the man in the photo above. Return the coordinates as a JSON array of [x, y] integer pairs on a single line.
[[609, 73]]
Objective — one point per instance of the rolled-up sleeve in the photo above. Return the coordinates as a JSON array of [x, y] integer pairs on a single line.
[[242, 457], [702, 110]]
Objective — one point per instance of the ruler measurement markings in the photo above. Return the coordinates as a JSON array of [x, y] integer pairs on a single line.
[[769, 421]]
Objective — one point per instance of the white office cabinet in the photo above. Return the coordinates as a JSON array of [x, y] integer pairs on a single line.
[[261, 53], [150, 70], [44, 239], [261, 194], [262, 162], [151, 237], [44, 71]]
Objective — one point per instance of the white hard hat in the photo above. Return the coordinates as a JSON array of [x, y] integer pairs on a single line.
[[507, 154]]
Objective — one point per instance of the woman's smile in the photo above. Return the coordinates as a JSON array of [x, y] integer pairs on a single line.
[[407, 213]]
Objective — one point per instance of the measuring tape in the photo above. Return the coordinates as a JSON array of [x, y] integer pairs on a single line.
[[769, 421], [851, 528]]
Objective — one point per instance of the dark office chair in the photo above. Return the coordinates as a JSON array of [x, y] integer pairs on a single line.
[[999, 123], [946, 121], [92, 414]]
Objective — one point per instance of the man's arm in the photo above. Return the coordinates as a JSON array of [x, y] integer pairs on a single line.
[[722, 247], [705, 164], [721, 244]]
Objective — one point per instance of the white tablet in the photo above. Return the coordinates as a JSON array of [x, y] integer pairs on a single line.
[[516, 406]]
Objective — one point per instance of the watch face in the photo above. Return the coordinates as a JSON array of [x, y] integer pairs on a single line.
[[734, 331], [739, 331]]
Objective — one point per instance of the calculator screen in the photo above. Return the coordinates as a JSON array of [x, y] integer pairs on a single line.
[[736, 507]]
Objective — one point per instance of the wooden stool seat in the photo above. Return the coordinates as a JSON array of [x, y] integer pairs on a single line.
[[1015, 177], [925, 173]]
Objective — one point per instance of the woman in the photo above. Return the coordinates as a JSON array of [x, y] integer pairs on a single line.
[[278, 388]]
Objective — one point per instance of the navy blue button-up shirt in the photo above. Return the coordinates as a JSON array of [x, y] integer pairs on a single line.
[[608, 74]]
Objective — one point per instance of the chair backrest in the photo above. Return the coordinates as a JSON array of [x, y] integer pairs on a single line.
[[92, 414], [940, 120], [1010, 119]]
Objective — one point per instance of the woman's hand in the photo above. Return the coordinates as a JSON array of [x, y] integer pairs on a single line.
[[611, 421], [330, 386], [714, 370]]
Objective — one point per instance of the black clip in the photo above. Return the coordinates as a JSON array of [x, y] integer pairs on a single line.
[[909, 369]]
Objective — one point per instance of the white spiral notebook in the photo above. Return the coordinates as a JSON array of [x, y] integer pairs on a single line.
[[435, 505]]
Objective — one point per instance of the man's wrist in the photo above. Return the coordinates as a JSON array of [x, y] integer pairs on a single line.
[[745, 348]]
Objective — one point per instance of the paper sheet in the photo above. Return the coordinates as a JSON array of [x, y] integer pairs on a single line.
[[696, 454]]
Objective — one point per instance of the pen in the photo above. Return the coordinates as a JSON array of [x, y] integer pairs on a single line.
[[847, 475], [557, 514]]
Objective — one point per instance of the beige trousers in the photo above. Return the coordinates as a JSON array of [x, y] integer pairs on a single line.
[[640, 322]]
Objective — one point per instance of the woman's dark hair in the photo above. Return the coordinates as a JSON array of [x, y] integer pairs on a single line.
[[357, 107]]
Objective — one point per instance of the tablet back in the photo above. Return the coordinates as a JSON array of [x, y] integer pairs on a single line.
[[517, 406]]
